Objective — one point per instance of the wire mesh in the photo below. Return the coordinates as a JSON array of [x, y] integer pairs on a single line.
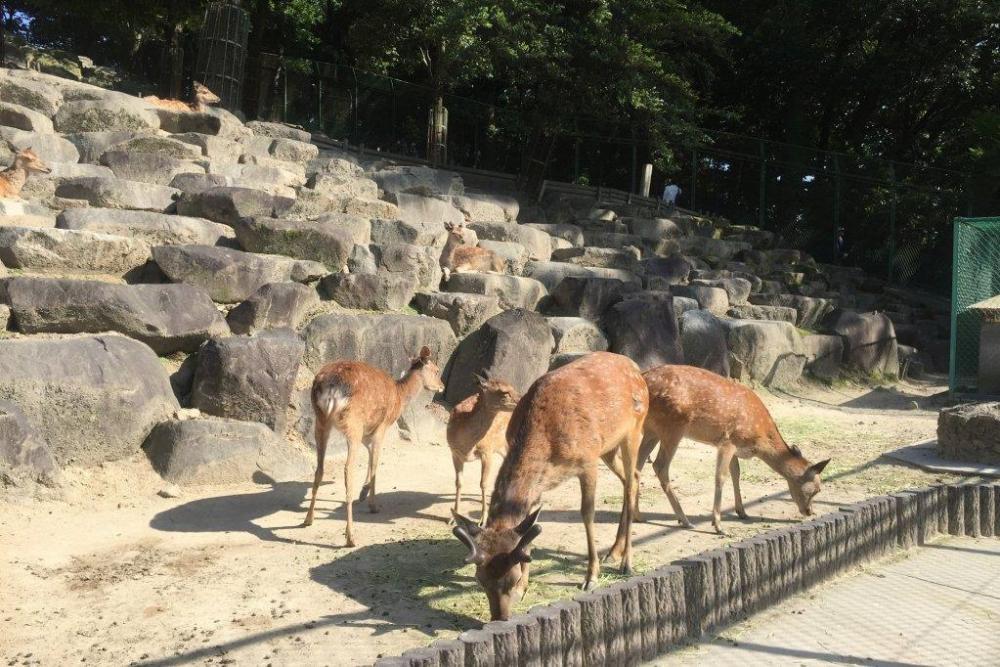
[[975, 278], [222, 51]]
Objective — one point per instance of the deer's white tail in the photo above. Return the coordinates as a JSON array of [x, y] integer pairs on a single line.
[[333, 400]]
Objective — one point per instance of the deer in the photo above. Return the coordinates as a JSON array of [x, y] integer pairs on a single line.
[[12, 179], [202, 98], [458, 255], [685, 401], [477, 428], [588, 410], [362, 402]]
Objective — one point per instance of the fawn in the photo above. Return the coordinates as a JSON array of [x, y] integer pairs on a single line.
[[362, 402], [477, 428], [202, 99], [685, 401], [14, 177], [592, 408], [458, 255]]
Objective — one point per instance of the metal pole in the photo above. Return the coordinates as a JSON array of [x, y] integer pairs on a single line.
[[762, 192], [694, 178], [952, 360], [892, 219]]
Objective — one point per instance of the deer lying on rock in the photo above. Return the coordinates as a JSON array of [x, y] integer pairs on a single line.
[[458, 255], [202, 98], [362, 402], [13, 178], [477, 428], [591, 409], [685, 401]]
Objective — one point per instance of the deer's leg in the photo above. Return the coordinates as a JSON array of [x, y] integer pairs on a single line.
[[486, 458], [668, 447], [614, 462], [374, 453], [723, 458], [646, 447], [459, 463], [588, 489], [622, 548], [321, 440], [734, 470], [353, 443]]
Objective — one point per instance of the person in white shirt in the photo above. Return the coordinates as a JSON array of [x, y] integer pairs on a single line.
[[670, 193]]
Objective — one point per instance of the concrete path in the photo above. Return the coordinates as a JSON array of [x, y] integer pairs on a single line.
[[939, 606]]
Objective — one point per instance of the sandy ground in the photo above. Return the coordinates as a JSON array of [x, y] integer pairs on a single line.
[[114, 574]]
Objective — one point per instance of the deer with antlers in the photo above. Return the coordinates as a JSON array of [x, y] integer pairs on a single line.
[[201, 99], [458, 255], [685, 401], [477, 429], [362, 402], [589, 410], [12, 179]]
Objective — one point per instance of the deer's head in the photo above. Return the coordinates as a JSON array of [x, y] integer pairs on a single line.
[[430, 374], [456, 233], [501, 557], [806, 485], [28, 161], [203, 96], [497, 394]]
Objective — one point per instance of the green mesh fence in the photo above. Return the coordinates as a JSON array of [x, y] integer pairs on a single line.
[[975, 278]]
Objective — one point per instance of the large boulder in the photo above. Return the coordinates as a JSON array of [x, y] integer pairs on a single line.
[[769, 353], [22, 456], [197, 452], [418, 180], [34, 95], [645, 330], [713, 299], [970, 432], [572, 234], [65, 250], [551, 274], [168, 318], [420, 262], [181, 122], [605, 258], [278, 131], [465, 312], [824, 355], [23, 118], [50, 148], [427, 210], [586, 297], [326, 243], [513, 291], [369, 291], [217, 149], [231, 276], [513, 346], [111, 113], [117, 193], [338, 186], [669, 270], [653, 229], [90, 399], [151, 144], [481, 207], [273, 306], [92, 145], [810, 311], [248, 377], [752, 312], [573, 335], [703, 337], [425, 233], [737, 289], [869, 340], [153, 228], [226, 204], [537, 242], [152, 168]]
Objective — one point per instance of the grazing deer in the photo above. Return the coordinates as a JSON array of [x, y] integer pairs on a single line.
[[362, 402], [458, 255], [14, 177], [685, 401], [202, 99], [591, 409], [477, 428]]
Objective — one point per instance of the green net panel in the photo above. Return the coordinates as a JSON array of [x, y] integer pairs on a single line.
[[975, 278]]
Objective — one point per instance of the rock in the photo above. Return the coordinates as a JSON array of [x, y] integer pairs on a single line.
[[90, 399], [465, 312], [273, 306], [278, 131], [271, 180], [810, 310], [248, 378], [869, 340], [92, 145], [217, 149], [368, 208], [64, 170], [776, 313], [227, 205], [551, 274], [575, 334], [371, 291], [412, 260], [337, 186], [48, 250], [180, 122], [537, 242], [292, 150], [722, 274], [231, 276], [339, 165], [670, 270], [148, 167], [195, 183], [168, 318], [153, 228], [713, 299], [710, 247], [513, 291], [151, 144], [703, 338], [514, 255], [386, 232], [770, 353], [5, 312], [970, 432], [23, 118], [606, 258], [824, 355], [588, 298], [222, 451], [645, 331], [418, 180], [326, 243], [170, 491], [572, 234], [22, 456], [611, 239], [481, 208], [51, 148], [118, 193], [737, 289], [654, 229], [33, 95], [513, 346], [118, 112]]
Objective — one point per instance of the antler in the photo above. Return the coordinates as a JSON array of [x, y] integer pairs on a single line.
[[474, 554]]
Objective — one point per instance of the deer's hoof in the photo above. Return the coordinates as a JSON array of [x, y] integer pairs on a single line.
[[685, 523], [373, 509], [364, 492], [350, 542], [626, 570], [588, 585], [308, 522], [744, 516]]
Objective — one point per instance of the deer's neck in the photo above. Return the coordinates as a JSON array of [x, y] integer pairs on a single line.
[[408, 387], [480, 421], [781, 459], [448, 253], [16, 176], [519, 486]]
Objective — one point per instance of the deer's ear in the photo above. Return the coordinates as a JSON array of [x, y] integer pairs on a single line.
[[518, 556], [529, 521], [425, 353], [816, 468]]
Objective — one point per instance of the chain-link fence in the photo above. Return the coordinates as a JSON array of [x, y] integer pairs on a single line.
[[974, 310]]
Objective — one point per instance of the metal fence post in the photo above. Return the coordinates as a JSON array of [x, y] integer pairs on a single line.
[[892, 219], [953, 356], [762, 194]]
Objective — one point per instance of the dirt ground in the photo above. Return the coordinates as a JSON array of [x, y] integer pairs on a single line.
[[114, 574]]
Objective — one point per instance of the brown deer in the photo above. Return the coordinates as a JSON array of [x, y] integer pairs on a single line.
[[362, 402], [202, 98], [458, 255], [685, 401], [591, 409], [477, 428], [14, 177]]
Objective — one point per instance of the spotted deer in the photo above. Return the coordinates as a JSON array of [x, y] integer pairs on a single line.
[[12, 179], [362, 402], [685, 401], [477, 429], [202, 98], [589, 410], [458, 256]]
